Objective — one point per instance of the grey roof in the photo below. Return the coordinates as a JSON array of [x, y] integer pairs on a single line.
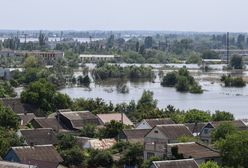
[[18, 107], [4, 164], [195, 127], [41, 153], [174, 131], [44, 122], [79, 119], [26, 117], [185, 163], [41, 136], [135, 135], [159, 121]]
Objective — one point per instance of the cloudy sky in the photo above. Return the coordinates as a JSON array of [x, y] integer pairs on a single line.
[[168, 15]]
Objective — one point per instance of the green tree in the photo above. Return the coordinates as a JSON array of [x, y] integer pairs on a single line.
[[73, 156], [209, 164], [62, 101], [8, 118], [195, 116], [111, 130], [222, 116], [234, 150], [236, 62], [66, 141], [146, 100], [170, 79], [88, 130], [148, 163], [182, 84], [223, 130], [100, 158]]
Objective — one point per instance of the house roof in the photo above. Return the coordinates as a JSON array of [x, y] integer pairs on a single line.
[[237, 123], [185, 163], [195, 150], [26, 118], [135, 135], [40, 136], [39, 153], [79, 119], [101, 144], [4, 164], [48, 123], [17, 106], [195, 127], [159, 121], [106, 118], [174, 131]]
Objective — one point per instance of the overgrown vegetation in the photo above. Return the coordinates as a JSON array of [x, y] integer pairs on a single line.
[[233, 81]]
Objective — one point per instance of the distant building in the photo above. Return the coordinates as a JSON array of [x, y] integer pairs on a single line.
[[43, 156], [119, 117], [150, 123], [89, 58], [185, 163]]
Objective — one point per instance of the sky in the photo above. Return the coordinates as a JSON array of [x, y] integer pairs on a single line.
[[163, 15]]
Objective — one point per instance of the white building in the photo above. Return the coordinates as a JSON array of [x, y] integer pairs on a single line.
[[97, 58]]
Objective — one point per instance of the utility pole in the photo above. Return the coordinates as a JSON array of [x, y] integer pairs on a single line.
[[227, 48]]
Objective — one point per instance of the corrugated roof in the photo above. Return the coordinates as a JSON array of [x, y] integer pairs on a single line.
[[40, 136], [81, 118], [135, 135], [174, 131], [185, 163], [106, 118], [195, 127], [48, 123], [39, 153], [237, 123], [195, 150], [4, 164], [159, 121]]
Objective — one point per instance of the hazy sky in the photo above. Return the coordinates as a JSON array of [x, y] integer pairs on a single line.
[[171, 15]]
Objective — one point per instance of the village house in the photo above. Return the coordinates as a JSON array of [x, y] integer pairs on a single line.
[[40, 136], [4, 164], [150, 123], [133, 135], [156, 140], [47, 122], [119, 117], [43, 156], [201, 153], [76, 120], [184, 163], [205, 134]]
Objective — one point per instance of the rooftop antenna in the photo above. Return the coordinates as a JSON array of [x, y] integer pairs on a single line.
[[227, 47]]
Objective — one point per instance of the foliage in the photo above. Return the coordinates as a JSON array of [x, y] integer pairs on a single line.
[[84, 80], [194, 59], [182, 80], [99, 158], [7, 140], [88, 130], [187, 139], [209, 164], [43, 95], [66, 141], [148, 163], [222, 116], [111, 129], [116, 71], [8, 118], [236, 62], [210, 55], [195, 116], [73, 156], [6, 90], [233, 149], [233, 82], [223, 130]]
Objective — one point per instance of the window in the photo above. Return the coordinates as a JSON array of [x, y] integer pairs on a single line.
[[205, 131], [156, 131], [150, 154]]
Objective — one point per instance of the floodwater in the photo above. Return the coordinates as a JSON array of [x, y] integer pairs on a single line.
[[215, 96]]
